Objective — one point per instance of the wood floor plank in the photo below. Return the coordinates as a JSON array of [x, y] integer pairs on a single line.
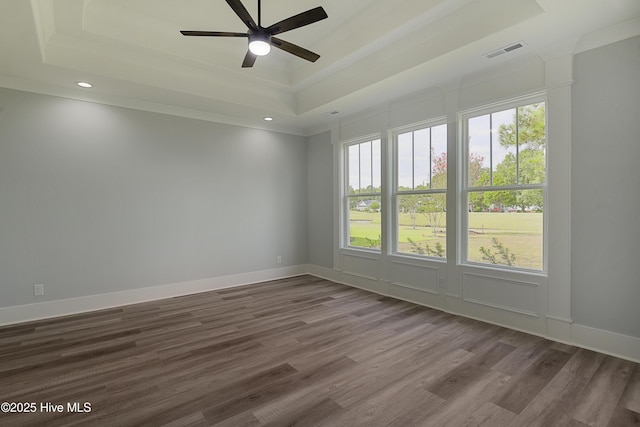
[[549, 407], [304, 415], [460, 408], [258, 394], [526, 386], [456, 380], [304, 351], [192, 420], [400, 404], [529, 349], [245, 419], [624, 417], [490, 415], [631, 397], [595, 408], [371, 380]]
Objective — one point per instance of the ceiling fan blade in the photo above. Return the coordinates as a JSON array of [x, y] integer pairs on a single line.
[[242, 13], [297, 21], [213, 34], [294, 49], [249, 60]]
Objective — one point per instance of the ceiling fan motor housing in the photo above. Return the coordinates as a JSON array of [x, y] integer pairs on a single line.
[[259, 42]]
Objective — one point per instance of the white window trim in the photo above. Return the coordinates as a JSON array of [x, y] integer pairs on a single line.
[[344, 190], [393, 193], [554, 287], [463, 191]]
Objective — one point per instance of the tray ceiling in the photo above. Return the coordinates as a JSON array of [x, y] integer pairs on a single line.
[[371, 51]]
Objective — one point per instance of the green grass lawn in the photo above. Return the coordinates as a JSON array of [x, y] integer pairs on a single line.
[[501, 222], [521, 233], [365, 229]]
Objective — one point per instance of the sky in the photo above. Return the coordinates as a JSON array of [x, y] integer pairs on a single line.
[[364, 164], [415, 165], [414, 155], [483, 137]]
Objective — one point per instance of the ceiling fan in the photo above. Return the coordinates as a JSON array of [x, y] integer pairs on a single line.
[[261, 39]]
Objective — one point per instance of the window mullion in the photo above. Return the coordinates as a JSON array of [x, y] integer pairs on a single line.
[[359, 168], [430, 161], [491, 149], [507, 188], [371, 165], [418, 192], [517, 146], [413, 160]]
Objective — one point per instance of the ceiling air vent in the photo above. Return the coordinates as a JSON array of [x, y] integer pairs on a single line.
[[502, 50]]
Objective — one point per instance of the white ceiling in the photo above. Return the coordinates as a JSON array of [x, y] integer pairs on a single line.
[[371, 51]]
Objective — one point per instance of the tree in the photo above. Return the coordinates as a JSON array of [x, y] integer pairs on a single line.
[[530, 128], [433, 206], [477, 174], [527, 132], [439, 171], [478, 177], [505, 174]]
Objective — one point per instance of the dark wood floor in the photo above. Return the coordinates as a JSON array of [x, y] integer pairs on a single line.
[[305, 351]]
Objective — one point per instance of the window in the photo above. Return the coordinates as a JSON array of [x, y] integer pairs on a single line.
[[504, 186], [363, 193], [420, 191]]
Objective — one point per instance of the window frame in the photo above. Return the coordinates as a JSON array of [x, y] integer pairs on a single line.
[[345, 241], [462, 252], [394, 192]]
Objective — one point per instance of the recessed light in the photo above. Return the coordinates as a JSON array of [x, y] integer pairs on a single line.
[[84, 85], [268, 119]]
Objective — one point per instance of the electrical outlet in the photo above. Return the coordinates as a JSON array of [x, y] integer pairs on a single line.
[[38, 290], [279, 259]]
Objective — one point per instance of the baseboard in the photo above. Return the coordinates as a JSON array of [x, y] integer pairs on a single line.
[[49, 309], [559, 330], [612, 343], [324, 273], [615, 344]]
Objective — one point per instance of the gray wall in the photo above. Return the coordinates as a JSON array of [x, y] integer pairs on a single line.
[[605, 184], [97, 199], [320, 200]]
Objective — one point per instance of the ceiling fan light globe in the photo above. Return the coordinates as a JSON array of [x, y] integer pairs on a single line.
[[259, 47]]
